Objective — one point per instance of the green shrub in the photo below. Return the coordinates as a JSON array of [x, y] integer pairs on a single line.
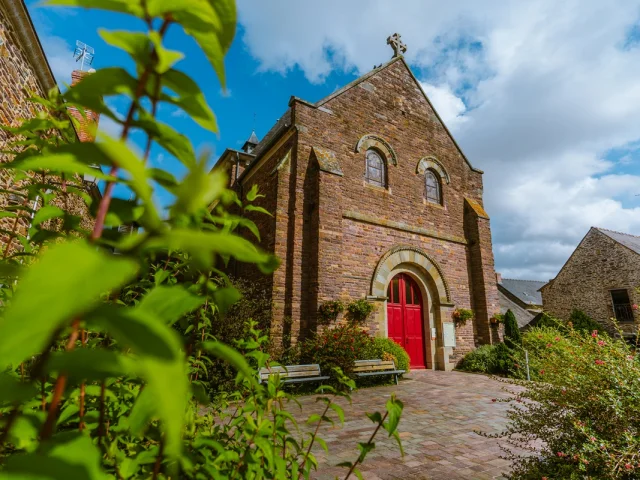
[[547, 320], [359, 310], [583, 322], [496, 359], [512, 335], [336, 347], [382, 346], [478, 360], [583, 416]]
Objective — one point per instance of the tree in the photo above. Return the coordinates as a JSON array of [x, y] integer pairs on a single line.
[[512, 335], [583, 322]]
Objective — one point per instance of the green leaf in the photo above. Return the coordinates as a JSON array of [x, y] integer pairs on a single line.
[[225, 297], [66, 282], [142, 412], [160, 362], [58, 162], [233, 358], [173, 142], [253, 208], [12, 390], [137, 329], [67, 456], [170, 303], [190, 98], [165, 58], [45, 213], [198, 190], [394, 408], [132, 7], [91, 364], [253, 193], [90, 92], [122, 212], [136, 44], [204, 245]]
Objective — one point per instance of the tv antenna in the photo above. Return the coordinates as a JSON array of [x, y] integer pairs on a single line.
[[83, 53]]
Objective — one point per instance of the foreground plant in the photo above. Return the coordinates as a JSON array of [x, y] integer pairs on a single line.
[[581, 419], [103, 355]]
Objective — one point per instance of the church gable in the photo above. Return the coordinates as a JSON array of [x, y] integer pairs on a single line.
[[391, 95]]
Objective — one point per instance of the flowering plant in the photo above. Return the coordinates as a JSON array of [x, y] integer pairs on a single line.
[[580, 420], [461, 315], [328, 311], [337, 347]]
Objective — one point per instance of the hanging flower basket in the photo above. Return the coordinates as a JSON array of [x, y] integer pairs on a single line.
[[497, 319], [461, 315]]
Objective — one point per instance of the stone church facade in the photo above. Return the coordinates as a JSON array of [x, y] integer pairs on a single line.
[[372, 198]]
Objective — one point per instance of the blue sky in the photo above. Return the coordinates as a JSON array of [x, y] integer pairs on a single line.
[[542, 96]]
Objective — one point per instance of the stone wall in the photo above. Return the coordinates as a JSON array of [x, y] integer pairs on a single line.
[[19, 80], [598, 265]]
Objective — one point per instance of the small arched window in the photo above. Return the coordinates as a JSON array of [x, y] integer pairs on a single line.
[[433, 187], [375, 169]]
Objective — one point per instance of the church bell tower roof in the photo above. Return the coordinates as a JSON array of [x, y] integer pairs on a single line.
[[251, 143]]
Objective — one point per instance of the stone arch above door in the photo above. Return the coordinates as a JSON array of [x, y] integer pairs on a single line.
[[412, 255]]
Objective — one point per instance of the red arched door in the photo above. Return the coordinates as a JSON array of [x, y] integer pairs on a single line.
[[404, 317]]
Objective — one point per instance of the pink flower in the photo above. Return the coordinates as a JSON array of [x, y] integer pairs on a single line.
[[635, 306], [628, 466], [557, 339], [548, 345], [541, 372], [560, 454], [599, 362], [594, 334], [593, 439], [601, 343]]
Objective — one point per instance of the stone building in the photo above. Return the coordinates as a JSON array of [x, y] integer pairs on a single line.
[[600, 278], [24, 71], [371, 197], [522, 297]]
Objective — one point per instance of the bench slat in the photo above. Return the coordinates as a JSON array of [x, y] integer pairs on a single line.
[[308, 379], [389, 366], [360, 363], [384, 372]]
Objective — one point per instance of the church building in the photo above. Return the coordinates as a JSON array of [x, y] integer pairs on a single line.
[[371, 197]]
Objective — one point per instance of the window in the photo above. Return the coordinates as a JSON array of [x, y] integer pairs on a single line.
[[375, 173], [432, 182], [621, 305]]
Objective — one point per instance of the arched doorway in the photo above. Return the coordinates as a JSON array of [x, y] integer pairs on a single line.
[[405, 318]]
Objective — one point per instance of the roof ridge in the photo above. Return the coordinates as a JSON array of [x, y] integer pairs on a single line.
[[615, 231], [521, 280]]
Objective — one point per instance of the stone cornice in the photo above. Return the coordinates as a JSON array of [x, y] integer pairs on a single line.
[[350, 214], [19, 17]]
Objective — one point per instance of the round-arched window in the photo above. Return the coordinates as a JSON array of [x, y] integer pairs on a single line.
[[433, 187], [375, 173]]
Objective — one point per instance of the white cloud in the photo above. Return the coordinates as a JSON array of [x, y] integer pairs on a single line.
[[537, 93], [450, 108]]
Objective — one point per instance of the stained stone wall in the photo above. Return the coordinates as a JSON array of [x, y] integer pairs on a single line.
[[598, 265], [20, 79]]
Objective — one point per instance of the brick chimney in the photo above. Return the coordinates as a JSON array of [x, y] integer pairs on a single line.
[[498, 277], [89, 125]]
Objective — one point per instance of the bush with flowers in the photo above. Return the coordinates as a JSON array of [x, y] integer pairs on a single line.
[[337, 347], [581, 419]]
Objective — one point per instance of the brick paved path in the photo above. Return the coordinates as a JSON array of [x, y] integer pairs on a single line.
[[442, 409]]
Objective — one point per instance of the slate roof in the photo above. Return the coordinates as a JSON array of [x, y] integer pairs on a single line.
[[523, 316], [525, 290], [253, 138], [630, 241], [283, 122]]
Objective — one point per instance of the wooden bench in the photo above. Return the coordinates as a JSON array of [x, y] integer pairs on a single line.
[[293, 373], [368, 368]]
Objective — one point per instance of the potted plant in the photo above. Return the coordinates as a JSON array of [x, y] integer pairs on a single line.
[[461, 315], [359, 310], [328, 311], [497, 318]]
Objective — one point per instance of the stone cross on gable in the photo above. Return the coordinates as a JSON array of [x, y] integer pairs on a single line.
[[398, 46]]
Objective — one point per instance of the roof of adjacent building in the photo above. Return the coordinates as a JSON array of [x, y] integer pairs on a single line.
[[523, 316], [630, 241], [525, 290]]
